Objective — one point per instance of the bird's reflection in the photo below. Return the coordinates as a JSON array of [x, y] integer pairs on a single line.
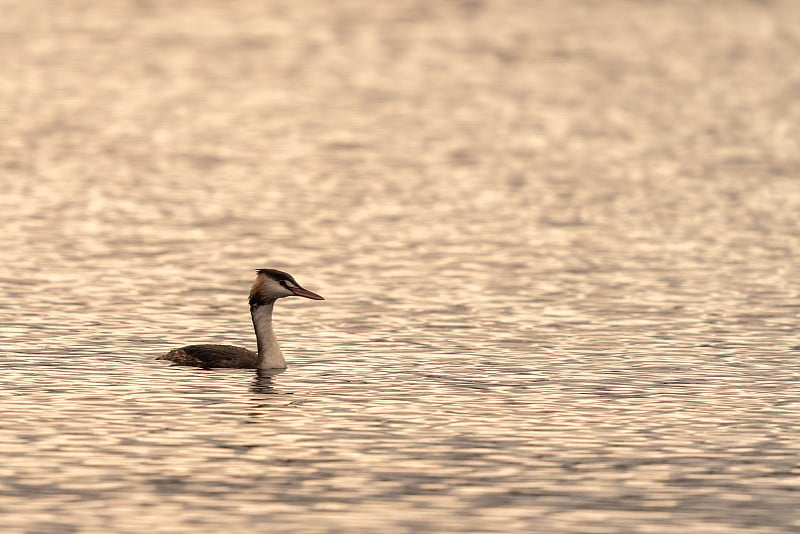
[[264, 382]]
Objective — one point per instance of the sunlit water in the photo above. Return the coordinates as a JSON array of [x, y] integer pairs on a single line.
[[558, 246]]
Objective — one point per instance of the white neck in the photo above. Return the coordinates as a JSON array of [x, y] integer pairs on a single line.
[[269, 353]]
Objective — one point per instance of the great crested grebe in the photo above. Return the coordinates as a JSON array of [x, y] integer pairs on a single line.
[[269, 286]]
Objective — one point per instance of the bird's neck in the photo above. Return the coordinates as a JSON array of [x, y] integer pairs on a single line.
[[269, 353]]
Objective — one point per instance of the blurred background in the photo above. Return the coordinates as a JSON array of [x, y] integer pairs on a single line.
[[558, 242]]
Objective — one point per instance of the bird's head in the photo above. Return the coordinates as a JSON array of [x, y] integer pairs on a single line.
[[272, 284]]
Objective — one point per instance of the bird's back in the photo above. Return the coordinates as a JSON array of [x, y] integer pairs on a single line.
[[213, 356]]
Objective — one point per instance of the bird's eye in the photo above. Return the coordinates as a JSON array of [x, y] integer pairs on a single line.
[[287, 284]]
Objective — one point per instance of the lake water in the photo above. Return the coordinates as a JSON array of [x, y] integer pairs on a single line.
[[558, 241]]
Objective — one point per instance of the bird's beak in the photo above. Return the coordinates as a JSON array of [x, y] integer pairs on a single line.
[[300, 292]]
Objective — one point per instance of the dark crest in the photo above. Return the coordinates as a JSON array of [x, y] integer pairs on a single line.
[[275, 274]]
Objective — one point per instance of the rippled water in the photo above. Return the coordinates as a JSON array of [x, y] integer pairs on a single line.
[[558, 242]]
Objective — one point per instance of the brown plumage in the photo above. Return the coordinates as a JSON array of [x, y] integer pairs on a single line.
[[213, 356]]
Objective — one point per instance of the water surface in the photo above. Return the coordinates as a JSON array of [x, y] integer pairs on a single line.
[[558, 245]]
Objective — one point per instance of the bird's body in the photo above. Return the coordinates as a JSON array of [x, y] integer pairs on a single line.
[[213, 356], [270, 285]]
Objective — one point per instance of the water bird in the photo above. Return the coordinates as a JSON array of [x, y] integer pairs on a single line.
[[269, 286]]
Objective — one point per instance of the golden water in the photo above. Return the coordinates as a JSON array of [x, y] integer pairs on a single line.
[[558, 242]]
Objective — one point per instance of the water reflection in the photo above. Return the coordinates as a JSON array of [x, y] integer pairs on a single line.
[[264, 382]]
